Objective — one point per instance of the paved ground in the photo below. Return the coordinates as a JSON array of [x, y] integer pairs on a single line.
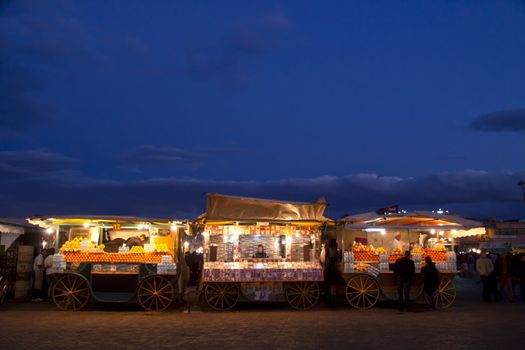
[[469, 324]]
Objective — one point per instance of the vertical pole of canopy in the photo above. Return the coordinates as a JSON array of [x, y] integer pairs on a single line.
[[57, 239]]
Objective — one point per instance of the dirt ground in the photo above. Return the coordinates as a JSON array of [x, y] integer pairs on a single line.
[[470, 324]]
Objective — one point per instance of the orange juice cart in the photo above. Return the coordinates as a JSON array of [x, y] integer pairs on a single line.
[[114, 259], [235, 228], [372, 242]]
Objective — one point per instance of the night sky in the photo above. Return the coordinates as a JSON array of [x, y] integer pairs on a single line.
[[141, 107]]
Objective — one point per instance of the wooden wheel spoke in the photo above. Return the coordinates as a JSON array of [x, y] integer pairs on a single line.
[[212, 297], [219, 297], [73, 284], [63, 284], [164, 287], [150, 291], [160, 296], [356, 296], [230, 297], [79, 291], [448, 281], [447, 293]]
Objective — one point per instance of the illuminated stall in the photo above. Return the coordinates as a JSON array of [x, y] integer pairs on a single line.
[[372, 242], [261, 250], [114, 259]]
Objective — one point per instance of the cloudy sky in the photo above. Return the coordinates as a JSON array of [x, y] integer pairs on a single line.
[[139, 108]]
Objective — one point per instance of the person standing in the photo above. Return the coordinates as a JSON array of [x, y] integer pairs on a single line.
[[398, 243], [504, 274], [38, 273], [520, 275], [430, 281], [404, 271], [48, 265], [485, 268]]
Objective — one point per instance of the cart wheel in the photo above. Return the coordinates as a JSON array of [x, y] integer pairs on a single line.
[[446, 293], [302, 295], [70, 292], [222, 296], [362, 292], [155, 293]]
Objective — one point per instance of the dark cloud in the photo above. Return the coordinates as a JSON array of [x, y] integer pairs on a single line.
[[504, 121], [33, 163], [466, 192], [225, 60], [167, 155], [153, 157]]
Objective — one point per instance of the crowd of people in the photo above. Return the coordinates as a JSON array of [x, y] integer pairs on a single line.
[[500, 275]]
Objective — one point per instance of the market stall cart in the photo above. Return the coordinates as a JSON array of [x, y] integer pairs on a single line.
[[114, 259], [372, 242], [261, 250]]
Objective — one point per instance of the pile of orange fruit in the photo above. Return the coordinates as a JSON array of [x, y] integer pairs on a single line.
[[361, 267], [395, 254], [418, 251], [365, 256], [113, 257], [436, 254], [380, 250], [359, 247]]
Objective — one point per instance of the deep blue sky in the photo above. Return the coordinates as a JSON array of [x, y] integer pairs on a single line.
[[139, 107]]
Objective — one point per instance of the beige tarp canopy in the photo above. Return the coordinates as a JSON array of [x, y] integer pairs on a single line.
[[75, 220], [9, 234], [231, 208], [416, 220]]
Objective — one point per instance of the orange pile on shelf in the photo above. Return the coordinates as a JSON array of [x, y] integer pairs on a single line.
[[365, 256], [395, 254], [364, 252], [114, 257], [437, 254]]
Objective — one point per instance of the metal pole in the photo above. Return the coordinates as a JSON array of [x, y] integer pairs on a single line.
[[57, 239]]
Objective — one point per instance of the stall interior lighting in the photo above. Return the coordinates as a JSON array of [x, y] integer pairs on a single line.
[[49, 230], [379, 230]]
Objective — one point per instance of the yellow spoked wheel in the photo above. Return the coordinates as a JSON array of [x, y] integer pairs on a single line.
[[302, 295], [155, 293], [222, 296], [362, 292], [70, 292], [446, 293]]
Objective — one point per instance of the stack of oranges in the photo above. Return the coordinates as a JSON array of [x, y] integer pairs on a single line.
[[437, 254], [113, 257], [361, 267], [395, 254], [364, 252]]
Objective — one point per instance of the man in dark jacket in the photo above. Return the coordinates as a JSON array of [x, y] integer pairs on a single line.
[[404, 271]]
